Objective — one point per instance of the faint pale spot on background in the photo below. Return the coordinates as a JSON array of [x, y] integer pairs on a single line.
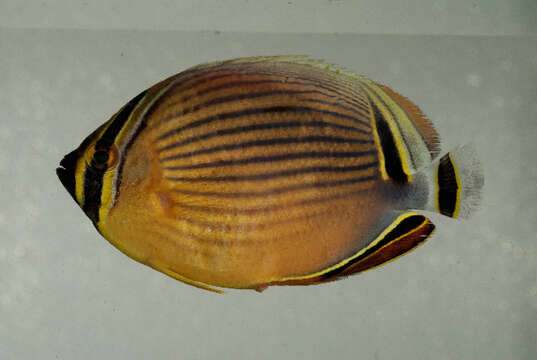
[[517, 101], [19, 251], [452, 259], [498, 101], [532, 291], [518, 252], [32, 211], [395, 67], [433, 260], [40, 109], [5, 299], [39, 144], [506, 65], [3, 162], [507, 246], [19, 190], [5, 133], [438, 340], [107, 82], [473, 80], [439, 7], [502, 306]]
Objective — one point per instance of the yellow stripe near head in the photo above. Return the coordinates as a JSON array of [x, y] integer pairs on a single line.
[[123, 137], [107, 189], [82, 164], [106, 196]]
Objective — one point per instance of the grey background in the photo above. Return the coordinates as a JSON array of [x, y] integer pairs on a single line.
[[440, 17], [469, 293]]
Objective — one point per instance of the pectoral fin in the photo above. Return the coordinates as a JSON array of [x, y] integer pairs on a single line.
[[406, 232]]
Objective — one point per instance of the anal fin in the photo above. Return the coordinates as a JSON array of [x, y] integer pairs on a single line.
[[407, 232], [403, 234]]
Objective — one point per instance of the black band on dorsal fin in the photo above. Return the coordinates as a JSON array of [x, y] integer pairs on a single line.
[[392, 158], [448, 187], [423, 126]]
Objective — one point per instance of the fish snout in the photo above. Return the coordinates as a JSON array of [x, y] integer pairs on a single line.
[[66, 172]]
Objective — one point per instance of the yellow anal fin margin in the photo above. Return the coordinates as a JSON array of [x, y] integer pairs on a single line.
[[407, 232], [186, 280], [406, 236]]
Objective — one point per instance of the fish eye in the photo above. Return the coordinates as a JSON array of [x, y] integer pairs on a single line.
[[101, 157], [105, 157]]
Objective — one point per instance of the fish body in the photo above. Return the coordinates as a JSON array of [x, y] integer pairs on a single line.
[[267, 171]]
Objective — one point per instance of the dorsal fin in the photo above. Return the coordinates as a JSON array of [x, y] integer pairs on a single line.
[[291, 59], [424, 126], [413, 128]]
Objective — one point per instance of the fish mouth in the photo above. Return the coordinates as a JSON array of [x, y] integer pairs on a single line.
[[66, 172]]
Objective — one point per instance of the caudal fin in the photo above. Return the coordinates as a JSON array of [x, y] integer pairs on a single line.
[[455, 182]]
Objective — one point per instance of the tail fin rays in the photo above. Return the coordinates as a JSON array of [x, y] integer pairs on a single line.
[[455, 183], [470, 179]]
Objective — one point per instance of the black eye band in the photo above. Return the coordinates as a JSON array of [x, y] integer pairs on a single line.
[[93, 175]]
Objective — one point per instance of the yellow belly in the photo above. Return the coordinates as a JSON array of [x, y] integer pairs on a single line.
[[249, 246]]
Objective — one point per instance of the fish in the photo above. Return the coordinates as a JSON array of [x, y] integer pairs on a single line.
[[264, 171]]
